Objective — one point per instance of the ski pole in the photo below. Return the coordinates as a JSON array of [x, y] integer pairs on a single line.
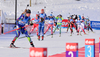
[[17, 28]]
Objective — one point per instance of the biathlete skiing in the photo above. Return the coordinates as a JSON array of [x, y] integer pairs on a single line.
[[42, 17], [50, 25], [20, 23], [36, 24], [59, 24], [79, 25]]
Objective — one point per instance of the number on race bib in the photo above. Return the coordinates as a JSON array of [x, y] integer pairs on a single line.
[[59, 21], [89, 51], [71, 53], [50, 21]]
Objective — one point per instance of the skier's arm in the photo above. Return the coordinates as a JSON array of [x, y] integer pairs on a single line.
[[89, 22], [57, 17], [62, 18], [45, 16], [29, 21], [21, 17]]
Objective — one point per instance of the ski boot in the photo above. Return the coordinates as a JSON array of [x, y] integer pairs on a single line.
[[12, 45], [81, 34], [66, 31], [71, 34], [32, 44], [93, 32], [88, 31], [44, 33], [77, 33], [38, 37], [37, 34], [51, 35], [42, 37], [59, 34]]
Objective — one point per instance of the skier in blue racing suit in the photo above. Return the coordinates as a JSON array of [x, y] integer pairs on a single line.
[[42, 16], [21, 22]]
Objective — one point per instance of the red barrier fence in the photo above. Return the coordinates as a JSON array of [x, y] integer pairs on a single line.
[[81, 52]]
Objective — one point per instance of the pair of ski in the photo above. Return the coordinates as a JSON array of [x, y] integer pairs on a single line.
[[14, 47], [78, 34], [41, 36], [33, 36]]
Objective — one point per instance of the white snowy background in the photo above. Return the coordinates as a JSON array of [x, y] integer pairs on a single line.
[[90, 8]]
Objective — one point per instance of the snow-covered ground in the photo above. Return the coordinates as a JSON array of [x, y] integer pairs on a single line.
[[90, 8], [55, 45]]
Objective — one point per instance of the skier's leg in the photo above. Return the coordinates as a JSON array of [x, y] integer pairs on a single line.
[[42, 31], [60, 29], [32, 29], [37, 29], [47, 28], [55, 28], [71, 28], [78, 30], [51, 29], [83, 30], [68, 27], [40, 26], [29, 39], [90, 28], [76, 27], [16, 37]]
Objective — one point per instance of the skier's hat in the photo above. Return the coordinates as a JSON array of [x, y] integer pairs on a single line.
[[28, 11], [50, 14], [42, 9], [60, 15]]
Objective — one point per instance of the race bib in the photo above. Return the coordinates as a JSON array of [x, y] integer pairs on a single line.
[[51, 21], [59, 21]]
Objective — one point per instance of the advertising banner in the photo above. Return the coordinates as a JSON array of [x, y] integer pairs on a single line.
[[65, 23], [95, 24]]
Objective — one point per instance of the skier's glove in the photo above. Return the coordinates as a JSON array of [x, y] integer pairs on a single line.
[[42, 19], [16, 26]]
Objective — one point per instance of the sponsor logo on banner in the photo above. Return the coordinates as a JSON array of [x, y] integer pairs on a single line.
[[37, 53], [71, 46], [95, 24], [65, 23], [89, 41]]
